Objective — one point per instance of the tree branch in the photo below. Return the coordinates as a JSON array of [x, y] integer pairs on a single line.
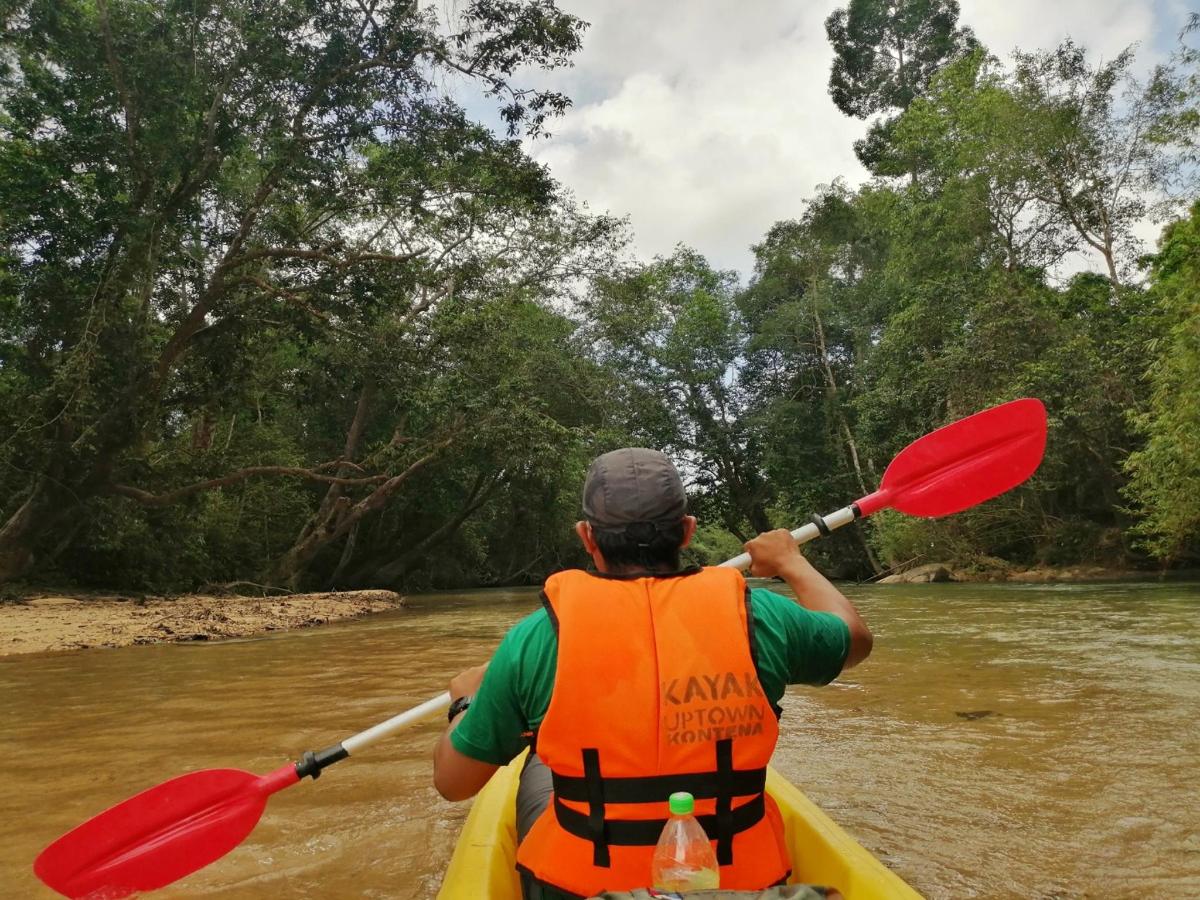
[[342, 262], [114, 68], [158, 500], [289, 296], [481, 491]]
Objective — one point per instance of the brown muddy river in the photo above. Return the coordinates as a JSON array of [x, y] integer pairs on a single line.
[[1003, 741]]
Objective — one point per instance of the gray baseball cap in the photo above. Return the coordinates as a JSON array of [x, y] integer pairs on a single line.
[[631, 485]]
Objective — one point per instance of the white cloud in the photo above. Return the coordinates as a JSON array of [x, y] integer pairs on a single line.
[[709, 121], [715, 124], [1105, 27]]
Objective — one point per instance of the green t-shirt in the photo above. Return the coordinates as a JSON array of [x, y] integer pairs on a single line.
[[795, 646]]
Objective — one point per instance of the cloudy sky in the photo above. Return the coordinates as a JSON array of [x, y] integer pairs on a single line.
[[707, 121]]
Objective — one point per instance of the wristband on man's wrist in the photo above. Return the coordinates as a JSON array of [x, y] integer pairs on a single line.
[[459, 704]]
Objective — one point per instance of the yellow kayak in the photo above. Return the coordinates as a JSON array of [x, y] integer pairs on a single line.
[[483, 865]]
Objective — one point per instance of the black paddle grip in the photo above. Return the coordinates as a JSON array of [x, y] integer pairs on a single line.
[[312, 763]]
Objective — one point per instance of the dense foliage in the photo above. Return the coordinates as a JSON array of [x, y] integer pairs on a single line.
[[1166, 471], [274, 309], [886, 52]]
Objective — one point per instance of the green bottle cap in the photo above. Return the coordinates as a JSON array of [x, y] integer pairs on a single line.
[[682, 803]]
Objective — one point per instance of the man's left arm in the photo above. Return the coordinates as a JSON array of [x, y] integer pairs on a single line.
[[457, 776]]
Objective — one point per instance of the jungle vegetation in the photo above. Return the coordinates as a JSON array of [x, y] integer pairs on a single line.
[[275, 309]]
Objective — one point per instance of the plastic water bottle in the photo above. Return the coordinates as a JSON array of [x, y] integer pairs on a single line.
[[684, 858]]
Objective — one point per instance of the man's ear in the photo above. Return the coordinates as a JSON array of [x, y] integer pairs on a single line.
[[583, 528], [588, 538], [689, 530]]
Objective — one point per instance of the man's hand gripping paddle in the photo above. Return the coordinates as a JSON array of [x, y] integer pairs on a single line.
[[169, 831]]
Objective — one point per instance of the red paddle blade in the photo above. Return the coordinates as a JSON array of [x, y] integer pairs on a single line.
[[966, 462], [160, 835]]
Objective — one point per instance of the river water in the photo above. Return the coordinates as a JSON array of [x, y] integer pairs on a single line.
[[1003, 741]]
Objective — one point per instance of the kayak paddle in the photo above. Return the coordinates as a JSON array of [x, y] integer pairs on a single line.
[[169, 831], [954, 468], [158, 836]]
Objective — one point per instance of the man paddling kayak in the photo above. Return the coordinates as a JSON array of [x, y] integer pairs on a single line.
[[640, 679], [168, 831]]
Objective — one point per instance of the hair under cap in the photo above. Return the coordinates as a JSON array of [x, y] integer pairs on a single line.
[[633, 484]]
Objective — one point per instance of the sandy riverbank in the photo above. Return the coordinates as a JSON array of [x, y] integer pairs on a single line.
[[66, 622]]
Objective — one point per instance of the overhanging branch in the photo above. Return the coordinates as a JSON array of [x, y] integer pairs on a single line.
[[146, 498]]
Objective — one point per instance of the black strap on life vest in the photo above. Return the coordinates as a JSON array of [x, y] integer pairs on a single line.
[[645, 832], [724, 802], [656, 788], [722, 784], [595, 824]]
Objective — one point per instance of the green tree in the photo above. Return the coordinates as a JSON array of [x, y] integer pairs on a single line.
[[177, 177], [885, 313], [971, 134], [812, 309], [885, 54], [989, 225], [1104, 149], [671, 334], [500, 501], [504, 253], [1165, 482]]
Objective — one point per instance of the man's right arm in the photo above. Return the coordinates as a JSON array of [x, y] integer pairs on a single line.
[[774, 553], [511, 694]]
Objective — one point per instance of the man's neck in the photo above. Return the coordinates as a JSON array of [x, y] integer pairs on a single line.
[[636, 571]]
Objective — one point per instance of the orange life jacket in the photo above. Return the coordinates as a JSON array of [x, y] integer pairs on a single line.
[[656, 691]]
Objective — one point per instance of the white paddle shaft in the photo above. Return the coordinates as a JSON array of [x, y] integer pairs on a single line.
[[802, 535], [395, 723]]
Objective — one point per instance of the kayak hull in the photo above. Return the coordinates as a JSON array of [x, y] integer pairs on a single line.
[[484, 863]]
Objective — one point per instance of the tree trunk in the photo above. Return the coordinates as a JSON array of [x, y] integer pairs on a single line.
[[847, 434], [1110, 261], [333, 502], [46, 506], [343, 515], [353, 437], [835, 403], [391, 573], [347, 555]]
